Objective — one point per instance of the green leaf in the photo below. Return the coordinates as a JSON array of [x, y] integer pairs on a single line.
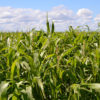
[[13, 68], [3, 89]]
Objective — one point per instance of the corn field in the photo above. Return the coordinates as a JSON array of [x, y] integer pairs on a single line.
[[50, 65]]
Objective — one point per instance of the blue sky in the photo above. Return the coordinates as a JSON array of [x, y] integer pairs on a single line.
[[16, 13], [93, 5]]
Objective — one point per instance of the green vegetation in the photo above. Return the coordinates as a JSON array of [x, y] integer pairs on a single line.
[[50, 66]]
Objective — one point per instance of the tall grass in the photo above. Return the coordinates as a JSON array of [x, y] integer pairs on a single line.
[[50, 65]]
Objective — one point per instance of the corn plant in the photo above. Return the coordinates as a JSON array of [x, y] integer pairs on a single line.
[[41, 66]]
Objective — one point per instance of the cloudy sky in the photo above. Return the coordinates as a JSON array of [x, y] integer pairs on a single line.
[[27, 14]]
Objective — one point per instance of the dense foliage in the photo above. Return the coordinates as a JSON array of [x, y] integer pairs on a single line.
[[50, 66]]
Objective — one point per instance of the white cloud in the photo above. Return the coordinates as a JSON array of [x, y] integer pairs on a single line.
[[24, 19], [85, 13], [97, 18]]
